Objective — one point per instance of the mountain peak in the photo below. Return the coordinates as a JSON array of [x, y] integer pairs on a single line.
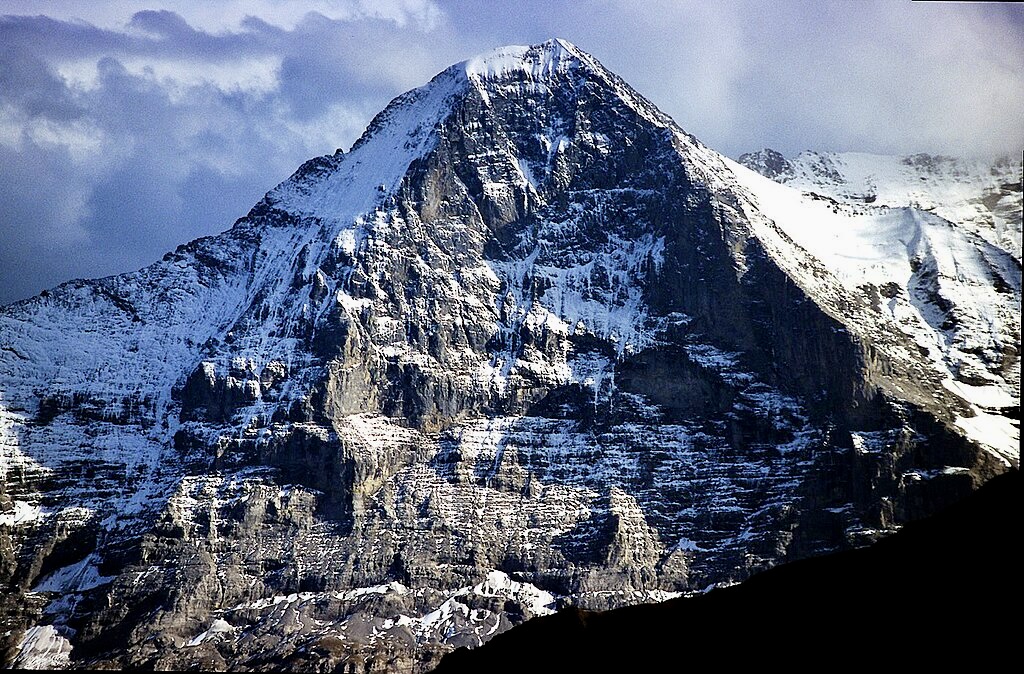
[[406, 129], [537, 61], [768, 162]]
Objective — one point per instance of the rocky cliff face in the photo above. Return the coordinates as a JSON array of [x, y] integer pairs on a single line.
[[526, 344], [825, 600]]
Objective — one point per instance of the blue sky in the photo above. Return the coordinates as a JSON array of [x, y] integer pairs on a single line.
[[127, 128]]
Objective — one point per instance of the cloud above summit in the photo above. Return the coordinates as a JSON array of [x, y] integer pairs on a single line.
[[127, 128]]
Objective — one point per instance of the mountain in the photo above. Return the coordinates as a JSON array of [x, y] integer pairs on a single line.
[[932, 574], [983, 197], [527, 344]]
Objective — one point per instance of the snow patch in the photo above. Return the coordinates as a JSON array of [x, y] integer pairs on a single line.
[[78, 577], [219, 626], [998, 433], [43, 647], [952, 295], [534, 62], [21, 514]]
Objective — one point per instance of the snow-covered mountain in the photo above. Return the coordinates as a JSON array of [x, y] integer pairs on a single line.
[[526, 344], [928, 239], [981, 196]]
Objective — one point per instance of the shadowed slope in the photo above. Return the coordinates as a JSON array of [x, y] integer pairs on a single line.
[[939, 591]]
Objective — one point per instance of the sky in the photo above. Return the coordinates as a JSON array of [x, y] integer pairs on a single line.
[[130, 127]]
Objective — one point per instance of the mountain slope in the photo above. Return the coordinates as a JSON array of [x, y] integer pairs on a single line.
[[925, 574], [952, 294], [937, 253], [980, 196], [526, 344]]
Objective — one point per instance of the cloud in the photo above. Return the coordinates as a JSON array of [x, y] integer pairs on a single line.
[[882, 77], [228, 15], [117, 145], [127, 128]]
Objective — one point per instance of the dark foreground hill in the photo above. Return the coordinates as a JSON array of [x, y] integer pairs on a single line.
[[944, 591]]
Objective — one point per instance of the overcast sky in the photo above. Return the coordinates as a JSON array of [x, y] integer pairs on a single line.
[[127, 128]]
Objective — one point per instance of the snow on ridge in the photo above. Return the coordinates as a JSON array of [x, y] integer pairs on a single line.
[[538, 61], [974, 193], [542, 63], [404, 131], [924, 272], [375, 166]]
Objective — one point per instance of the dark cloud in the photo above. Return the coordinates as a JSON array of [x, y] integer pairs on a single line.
[[121, 140], [28, 84], [163, 23], [104, 176], [61, 39], [368, 61], [35, 210]]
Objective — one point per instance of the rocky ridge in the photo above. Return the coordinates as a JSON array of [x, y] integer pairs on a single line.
[[526, 344]]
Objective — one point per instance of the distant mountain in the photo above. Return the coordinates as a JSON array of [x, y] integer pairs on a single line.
[[941, 580], [527, 344], [983, 197]]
